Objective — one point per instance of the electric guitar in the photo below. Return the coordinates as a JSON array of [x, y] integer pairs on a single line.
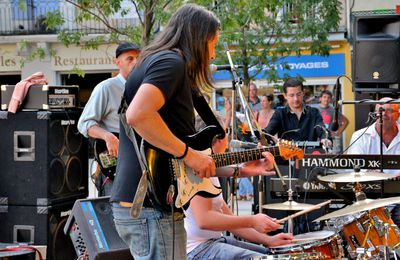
[[164, 169], [107, 162]]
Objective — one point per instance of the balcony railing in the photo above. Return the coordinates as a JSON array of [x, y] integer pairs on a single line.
[[29, 20]]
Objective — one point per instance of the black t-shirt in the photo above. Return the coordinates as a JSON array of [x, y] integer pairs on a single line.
[[166, 71]]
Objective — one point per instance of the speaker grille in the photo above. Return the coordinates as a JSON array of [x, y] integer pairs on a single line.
[[56, 137], [63, 249], [44, 179], [73, 173], [74, 139], [377, 62], [57, 176]]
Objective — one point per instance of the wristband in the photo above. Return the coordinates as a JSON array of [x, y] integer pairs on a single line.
[[184, 153], [236, 172]]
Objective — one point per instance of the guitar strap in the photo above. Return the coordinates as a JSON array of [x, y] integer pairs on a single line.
[[205, 112], [141, 190]]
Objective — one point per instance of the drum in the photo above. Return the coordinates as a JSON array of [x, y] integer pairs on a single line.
[[325, 244], [355, 232], [293, 256]]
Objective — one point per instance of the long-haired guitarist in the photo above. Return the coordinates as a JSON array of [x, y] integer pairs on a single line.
[[159, 94], [100, 120]]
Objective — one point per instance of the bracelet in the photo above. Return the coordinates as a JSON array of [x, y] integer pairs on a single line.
[[236, 172], [184, 153]]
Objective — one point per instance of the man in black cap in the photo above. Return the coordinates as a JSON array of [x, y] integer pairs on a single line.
[[100, 120]]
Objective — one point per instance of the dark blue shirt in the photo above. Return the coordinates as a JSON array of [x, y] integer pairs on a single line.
[[284, 120]]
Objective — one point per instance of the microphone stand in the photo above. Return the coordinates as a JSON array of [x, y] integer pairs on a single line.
[[235, 85], [381, 109], [236, 89]]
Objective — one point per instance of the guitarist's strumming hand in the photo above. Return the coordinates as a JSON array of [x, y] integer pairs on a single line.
[[112, 143], [201, 164]]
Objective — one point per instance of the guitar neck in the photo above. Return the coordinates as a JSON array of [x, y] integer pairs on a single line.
[[230, 158]]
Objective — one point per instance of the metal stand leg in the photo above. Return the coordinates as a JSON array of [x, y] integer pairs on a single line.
[[290, 192]]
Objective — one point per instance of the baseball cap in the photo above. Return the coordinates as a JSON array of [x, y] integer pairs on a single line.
[[126, 46]]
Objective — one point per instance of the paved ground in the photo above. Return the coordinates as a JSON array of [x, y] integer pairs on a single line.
[[243, 207]]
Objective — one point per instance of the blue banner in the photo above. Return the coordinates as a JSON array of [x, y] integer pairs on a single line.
[[305, 66]]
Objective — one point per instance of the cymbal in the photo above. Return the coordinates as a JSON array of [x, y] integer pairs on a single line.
[[362, 205], [356, 176], [287, 205]]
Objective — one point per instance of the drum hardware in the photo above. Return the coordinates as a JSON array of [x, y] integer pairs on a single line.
[[370, 224], [290, 204], [292, 256], [362, 204], [356, 176], [304, 211], [359, 206], [370, 233]]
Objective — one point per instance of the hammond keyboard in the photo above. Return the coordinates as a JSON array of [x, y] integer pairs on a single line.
[[349, 161]]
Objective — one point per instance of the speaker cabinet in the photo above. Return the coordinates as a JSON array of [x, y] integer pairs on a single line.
[[44, 159], [376, 60], [92, 231], [34, 225]]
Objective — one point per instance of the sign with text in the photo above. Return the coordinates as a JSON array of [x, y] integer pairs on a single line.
[[8, 60], [76, 57], [305, 66]]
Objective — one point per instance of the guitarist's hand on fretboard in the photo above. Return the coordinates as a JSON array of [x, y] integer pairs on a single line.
[[201, 164], [112, 143], [258, 167]]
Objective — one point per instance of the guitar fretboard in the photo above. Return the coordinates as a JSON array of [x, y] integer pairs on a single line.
[[230, 158]]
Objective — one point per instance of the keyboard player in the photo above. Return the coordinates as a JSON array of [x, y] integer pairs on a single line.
[[297, 121], [367, 141]]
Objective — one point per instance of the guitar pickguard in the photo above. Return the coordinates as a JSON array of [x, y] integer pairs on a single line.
[[190, 184]]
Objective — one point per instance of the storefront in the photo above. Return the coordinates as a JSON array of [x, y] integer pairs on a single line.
[[10, 70], [60, 68]]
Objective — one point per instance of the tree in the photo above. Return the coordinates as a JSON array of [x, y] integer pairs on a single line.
[[263, 32], [260, 32], [151, 15]]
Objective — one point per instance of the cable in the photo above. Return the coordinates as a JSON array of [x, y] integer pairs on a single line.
[[22, 248]]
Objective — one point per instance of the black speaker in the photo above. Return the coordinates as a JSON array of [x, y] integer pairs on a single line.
[[34, 225], [43, 158], [376, 60], [92, 231]]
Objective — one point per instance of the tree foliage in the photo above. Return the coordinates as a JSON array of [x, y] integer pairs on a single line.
[[152, 14], [260, 32], [263, 32]]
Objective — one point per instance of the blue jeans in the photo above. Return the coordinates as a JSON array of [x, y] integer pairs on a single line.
[[151, 235], [245, 187], [226, 248]]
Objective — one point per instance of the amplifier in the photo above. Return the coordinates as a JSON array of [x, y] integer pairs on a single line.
[[43, 97], [92, 231]]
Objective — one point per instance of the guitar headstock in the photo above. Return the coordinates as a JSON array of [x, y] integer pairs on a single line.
[[289, 150]]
